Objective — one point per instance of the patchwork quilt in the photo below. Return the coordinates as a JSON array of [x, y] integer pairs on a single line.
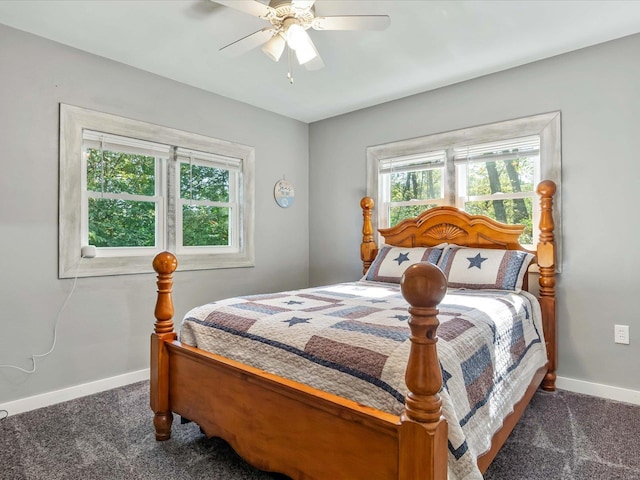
[[352, 340]]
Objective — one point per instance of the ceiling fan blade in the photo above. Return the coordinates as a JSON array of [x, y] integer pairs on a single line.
[[252, 7], [352, 22], [249, 42], [301, 5]]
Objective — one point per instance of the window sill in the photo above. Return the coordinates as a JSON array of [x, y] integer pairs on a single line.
[[131, 265]]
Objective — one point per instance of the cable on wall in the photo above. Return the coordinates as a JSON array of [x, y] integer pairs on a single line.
[[35, 356]]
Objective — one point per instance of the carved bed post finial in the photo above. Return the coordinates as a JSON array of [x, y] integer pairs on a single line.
[[423, 287], [368, 250], [164, 264], [547, 267]]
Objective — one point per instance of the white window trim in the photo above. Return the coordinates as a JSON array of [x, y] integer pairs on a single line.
[[546, 125], [73, 120]]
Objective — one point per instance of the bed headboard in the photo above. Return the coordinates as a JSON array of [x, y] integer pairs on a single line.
[[450, 225]]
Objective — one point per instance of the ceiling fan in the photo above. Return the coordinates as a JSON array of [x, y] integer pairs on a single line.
[[290, 20]]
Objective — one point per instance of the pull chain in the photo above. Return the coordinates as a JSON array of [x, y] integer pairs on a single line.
[[290, 72]]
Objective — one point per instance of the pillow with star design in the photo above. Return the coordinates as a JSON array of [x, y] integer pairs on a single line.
[[391, 262], [485, 268]]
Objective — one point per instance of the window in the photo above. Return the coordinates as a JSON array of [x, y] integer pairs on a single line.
[[409, 185], [122, 211], [491, 170], [498, 179], [207, 214], [133, 189]]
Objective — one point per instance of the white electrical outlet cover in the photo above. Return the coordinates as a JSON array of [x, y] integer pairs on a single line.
[[621, 334]]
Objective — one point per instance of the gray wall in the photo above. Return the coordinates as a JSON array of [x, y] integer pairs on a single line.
[[598, 92], [104, 331], [105, 328]]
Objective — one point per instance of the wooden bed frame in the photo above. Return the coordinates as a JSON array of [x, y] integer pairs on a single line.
[[283, 426]]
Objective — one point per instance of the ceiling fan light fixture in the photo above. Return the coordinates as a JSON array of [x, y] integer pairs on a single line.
[[299, 41], [274, 47], [296, 36], [305, 52], [290, 20]]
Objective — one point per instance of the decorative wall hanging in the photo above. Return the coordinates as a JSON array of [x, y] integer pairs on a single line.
[[283, 193]]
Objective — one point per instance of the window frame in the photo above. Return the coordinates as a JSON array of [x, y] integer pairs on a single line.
[[546, 126], [73, 121]]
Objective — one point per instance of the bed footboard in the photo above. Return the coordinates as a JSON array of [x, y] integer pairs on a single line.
[[284, 426]]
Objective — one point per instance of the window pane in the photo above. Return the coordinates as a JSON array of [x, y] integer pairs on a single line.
[[515, 211], [397, 214], [117, 172], [205, 226], [198, 182], [419, 185], [505, 176], [121, 223]]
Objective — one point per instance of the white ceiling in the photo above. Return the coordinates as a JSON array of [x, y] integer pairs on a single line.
[[429, 44]]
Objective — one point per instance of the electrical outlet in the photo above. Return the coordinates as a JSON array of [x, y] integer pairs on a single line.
[[621, 334]]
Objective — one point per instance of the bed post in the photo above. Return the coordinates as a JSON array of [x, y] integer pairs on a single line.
[[164, 264], [368, 250], [547, 267], [423, 435]]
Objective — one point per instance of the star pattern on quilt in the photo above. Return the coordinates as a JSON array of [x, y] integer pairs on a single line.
[[402, 318], [377, 300], [295, 320], [293, 302], [476, 261], [402, 257]]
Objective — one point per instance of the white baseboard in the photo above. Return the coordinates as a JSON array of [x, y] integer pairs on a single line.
[[598, 390], [77, 391]]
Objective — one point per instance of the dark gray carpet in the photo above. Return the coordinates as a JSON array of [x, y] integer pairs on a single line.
[[110, 436]]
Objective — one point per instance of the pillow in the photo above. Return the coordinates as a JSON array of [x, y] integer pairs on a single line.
[[485, 267], [391, 262]]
